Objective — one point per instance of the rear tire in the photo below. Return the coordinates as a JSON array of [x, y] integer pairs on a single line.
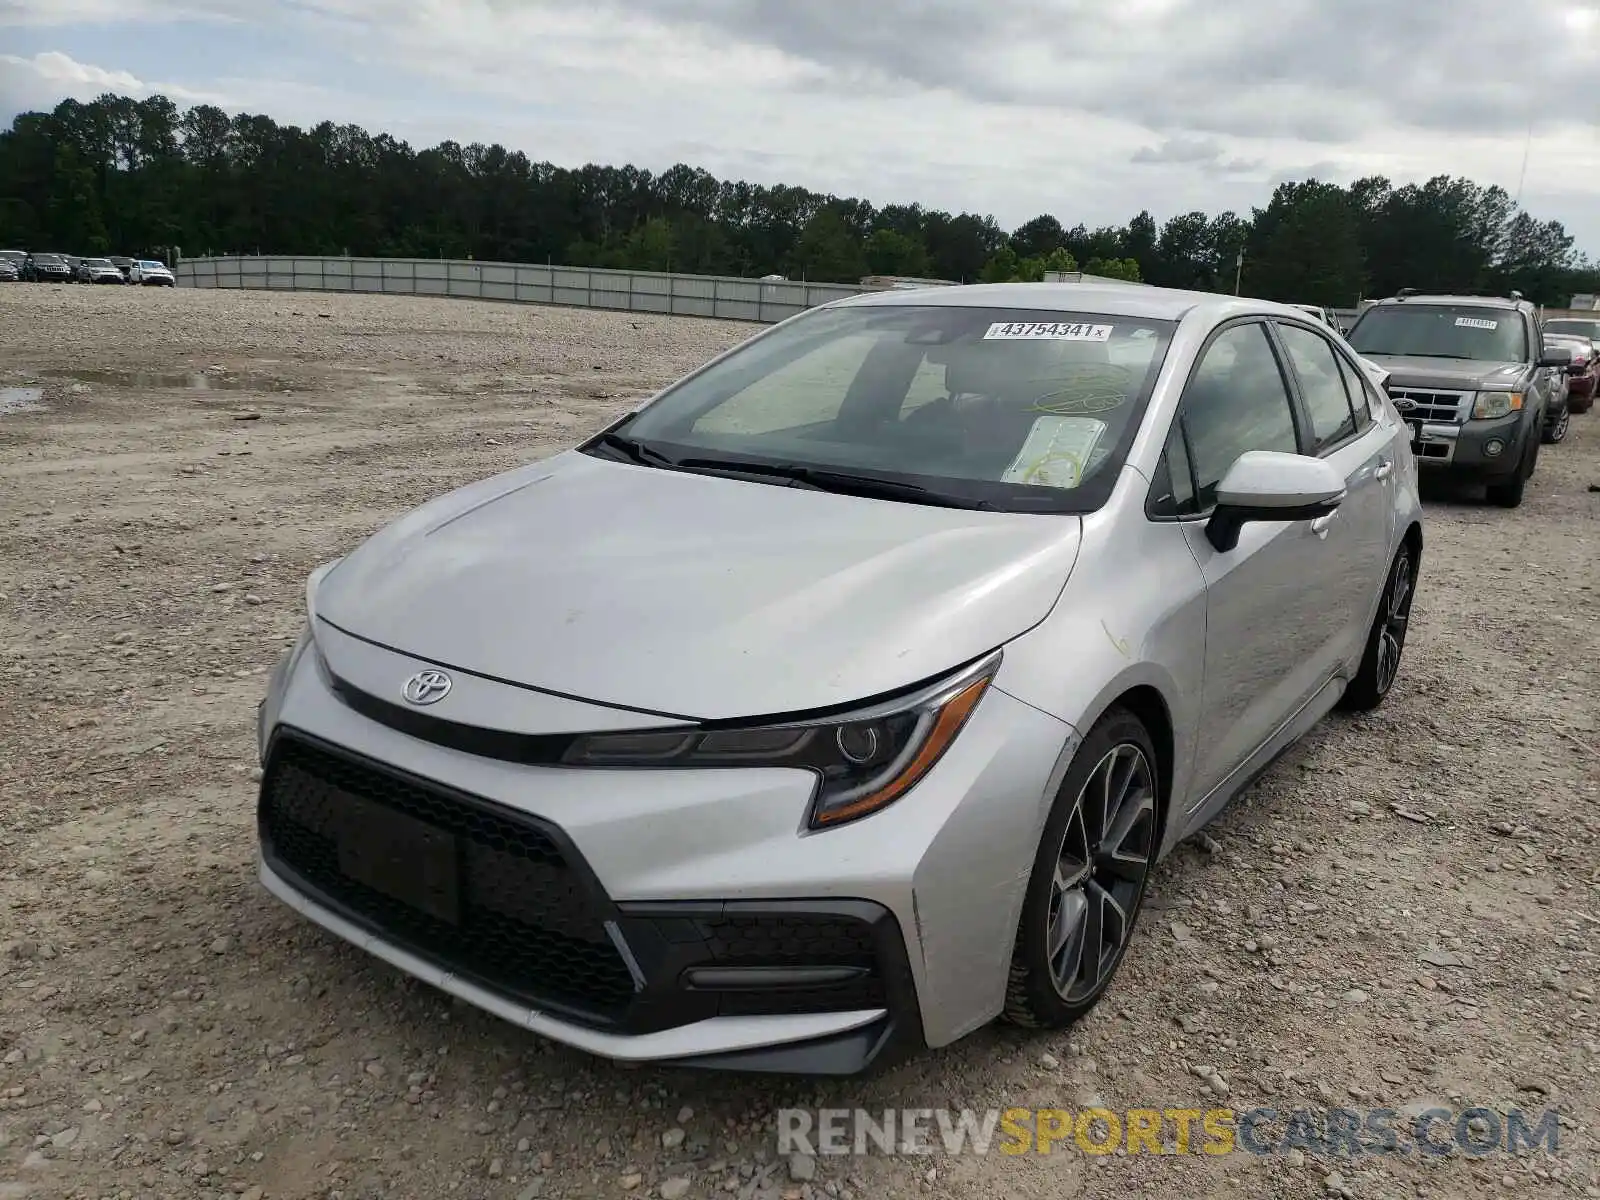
[[1088, 879]]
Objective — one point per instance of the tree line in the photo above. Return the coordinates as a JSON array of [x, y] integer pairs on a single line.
[[119, 175]]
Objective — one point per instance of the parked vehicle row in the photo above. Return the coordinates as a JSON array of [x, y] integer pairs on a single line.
[[47, 267], [1325, 315], [1581, 337], [1479, 381]]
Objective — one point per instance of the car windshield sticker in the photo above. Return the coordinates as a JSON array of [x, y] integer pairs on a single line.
[[1056, 453], [1047, 331], [1475, 323], [1086, 388]]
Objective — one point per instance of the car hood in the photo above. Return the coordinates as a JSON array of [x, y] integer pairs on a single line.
[[1409, 371], [695, 596]]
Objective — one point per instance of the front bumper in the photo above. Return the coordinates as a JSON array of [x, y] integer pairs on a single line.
[[669, 916], [1463, 450]]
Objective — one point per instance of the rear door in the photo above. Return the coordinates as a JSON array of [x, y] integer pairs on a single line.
[[1357, 535], [1267, 619]]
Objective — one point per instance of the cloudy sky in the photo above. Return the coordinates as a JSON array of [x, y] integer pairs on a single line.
[[1087, 109]]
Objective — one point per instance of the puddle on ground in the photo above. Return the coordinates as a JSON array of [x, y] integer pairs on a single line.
[[192, 381], [21, 399]]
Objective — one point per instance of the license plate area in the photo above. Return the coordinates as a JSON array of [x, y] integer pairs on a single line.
[[405, 859]]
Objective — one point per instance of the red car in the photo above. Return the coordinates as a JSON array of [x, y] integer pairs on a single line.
[[1585, 369]]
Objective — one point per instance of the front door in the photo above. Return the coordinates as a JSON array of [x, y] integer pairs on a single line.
[[1266, 613]]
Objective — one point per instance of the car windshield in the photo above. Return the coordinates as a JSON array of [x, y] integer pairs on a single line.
[[1021, 410], [95, 262], [1574, 326], [150, 262], [47, 258], [1474, 332]]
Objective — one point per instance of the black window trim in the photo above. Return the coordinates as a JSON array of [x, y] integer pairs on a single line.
[[1296, 416], [1357, 430]]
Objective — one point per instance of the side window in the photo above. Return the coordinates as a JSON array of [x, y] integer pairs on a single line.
[[1362, 396], [1172, 494], [1236, 401], [1316, 364]]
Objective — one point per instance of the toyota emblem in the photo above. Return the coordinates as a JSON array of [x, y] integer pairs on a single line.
[[427, 687]]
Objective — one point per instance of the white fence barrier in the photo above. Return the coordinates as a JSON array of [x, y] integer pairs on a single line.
[[723, 296], [629, 291]]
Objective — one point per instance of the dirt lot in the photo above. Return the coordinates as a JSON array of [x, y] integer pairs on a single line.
[[1403, 914]]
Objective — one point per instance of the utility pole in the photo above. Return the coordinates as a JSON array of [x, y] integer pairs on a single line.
[[1238, 269]]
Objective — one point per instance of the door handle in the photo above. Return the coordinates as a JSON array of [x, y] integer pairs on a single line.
[[1321, 525], [1384, 469]]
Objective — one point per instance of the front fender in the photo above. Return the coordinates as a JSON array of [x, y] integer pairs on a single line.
[[1133, 615]]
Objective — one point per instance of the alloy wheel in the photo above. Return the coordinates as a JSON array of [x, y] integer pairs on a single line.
[[1560, 431], [1100, 872], [1393, 622]]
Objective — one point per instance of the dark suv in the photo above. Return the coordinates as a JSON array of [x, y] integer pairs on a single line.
[[47, 268], [1472, 377]]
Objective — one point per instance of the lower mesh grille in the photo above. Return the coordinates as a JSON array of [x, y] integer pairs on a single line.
[[480, 890]]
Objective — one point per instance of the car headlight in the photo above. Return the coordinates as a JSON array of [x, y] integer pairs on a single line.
[[864, 760], [1496, 404]]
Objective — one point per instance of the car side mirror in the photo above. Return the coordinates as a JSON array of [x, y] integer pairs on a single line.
[[1266, 485], [1555, 360]]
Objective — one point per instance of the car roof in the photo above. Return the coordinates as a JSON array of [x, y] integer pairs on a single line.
[[1136, 300], [1459, 301]]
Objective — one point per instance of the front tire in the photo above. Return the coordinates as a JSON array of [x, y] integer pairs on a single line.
[[1558, 432], [1088, 879], [1386, 641], [1509, 494]]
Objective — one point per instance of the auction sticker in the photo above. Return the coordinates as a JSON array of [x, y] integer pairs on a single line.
[[1476, 323], [1056, 453], [1047, 331]]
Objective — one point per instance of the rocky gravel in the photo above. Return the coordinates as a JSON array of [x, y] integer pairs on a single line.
[[1402, 914]]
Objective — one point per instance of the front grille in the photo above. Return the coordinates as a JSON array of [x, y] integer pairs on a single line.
[[482, 891], [1444, 408]]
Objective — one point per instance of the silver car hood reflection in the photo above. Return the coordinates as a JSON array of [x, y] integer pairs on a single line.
[[692, 595]]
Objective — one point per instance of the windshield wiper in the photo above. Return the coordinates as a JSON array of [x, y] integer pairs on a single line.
[[634, 451], [844, 483]]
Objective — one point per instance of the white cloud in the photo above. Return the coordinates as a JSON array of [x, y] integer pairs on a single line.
[[1082, 109], [53, 76]]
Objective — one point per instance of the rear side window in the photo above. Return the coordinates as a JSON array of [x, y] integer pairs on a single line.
[[1321, 384], [1364, 402]]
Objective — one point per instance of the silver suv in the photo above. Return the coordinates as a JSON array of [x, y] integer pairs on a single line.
[[1473, 378]]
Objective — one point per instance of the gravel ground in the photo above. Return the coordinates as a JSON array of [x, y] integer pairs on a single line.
[[1403, 912]]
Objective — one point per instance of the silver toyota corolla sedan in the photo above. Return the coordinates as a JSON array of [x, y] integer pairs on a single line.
[[842, 698]]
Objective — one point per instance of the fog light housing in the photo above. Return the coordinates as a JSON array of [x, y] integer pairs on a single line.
[[1493, 447]]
